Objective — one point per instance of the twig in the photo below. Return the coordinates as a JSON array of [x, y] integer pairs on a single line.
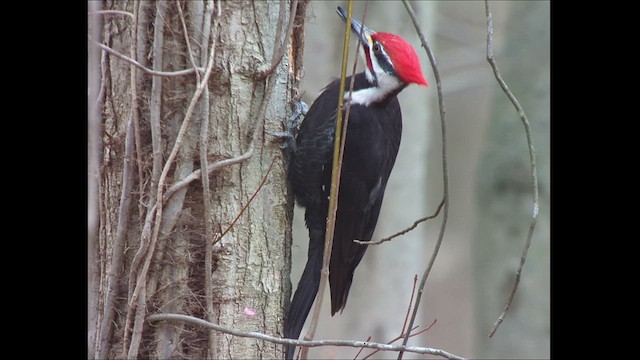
[[197, 174], [141, 38], [155, 108], [415, 223], [204, 161], [305, 343], [445, 169], [362, 349], [112, 12], [203, 114], [95, 85], [125, 203], [256, 129], [233, 222], [413, 291], [335, 183], [406, 319], [282, 46], [142, 67], [103, 71], [532, 158], [402, 335], [138, 323], [113, 279], [188, 41], [137, 47]]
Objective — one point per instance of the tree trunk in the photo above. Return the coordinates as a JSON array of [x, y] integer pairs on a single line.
[[171, 258]]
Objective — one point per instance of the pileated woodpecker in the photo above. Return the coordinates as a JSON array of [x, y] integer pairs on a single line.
[[372, 142]]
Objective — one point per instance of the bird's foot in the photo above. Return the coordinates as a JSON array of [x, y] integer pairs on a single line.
[[288, 136]]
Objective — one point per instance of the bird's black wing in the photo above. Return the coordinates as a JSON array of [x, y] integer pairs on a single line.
[[310, 176], [372, 143]]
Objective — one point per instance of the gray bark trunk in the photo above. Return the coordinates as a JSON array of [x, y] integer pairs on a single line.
[[247, 270]]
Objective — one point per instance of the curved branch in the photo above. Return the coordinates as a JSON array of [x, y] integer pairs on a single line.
[[278, 53], [532, 158], [112, 12], [306, 343], [144, 68], [445, 170], [402, 232], [197, 174], [219, 236]]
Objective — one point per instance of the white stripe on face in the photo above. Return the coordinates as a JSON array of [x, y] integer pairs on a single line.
[[383, 82]]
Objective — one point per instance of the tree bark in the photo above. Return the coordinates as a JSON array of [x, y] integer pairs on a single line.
[[242, 280]]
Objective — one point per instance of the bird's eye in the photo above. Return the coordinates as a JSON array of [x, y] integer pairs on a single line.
[[377, 48]]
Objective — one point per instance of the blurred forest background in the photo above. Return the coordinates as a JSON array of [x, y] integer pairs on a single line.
[[490, 182]]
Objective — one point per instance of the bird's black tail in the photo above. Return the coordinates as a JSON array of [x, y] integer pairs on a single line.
[[306, 292]]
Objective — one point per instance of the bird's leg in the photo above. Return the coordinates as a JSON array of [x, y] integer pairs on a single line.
[[288, 136]]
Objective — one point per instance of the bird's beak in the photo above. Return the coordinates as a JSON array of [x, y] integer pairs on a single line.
[[362, 32]]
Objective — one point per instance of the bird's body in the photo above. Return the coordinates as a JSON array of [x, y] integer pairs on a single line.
[[372, 141], [371, 145]]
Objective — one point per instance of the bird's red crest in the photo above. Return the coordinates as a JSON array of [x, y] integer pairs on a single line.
[[404, 58]]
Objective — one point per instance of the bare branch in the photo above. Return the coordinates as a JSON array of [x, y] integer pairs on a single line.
[[406, 319], [137, 47], [361, 349], [102, 91], [233, 222], [305, 343], [445, 170], [113, 279], [142, 67], [112, 12], [256, 129], [155, 109], [413, 291], [95, 85], [141, 280], [187, 40], [197, 174], [402, 336], [532, 158], [138, 322], [125, 200], [415, 224], [204, 142], [282, 46]]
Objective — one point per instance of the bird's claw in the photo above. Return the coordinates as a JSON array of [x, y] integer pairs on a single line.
[[288, 136]]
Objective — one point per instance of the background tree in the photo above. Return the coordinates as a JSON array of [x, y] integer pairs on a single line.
[[504, 195], [198, 248]]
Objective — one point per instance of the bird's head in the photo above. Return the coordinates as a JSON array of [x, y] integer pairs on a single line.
[[392, 63]]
